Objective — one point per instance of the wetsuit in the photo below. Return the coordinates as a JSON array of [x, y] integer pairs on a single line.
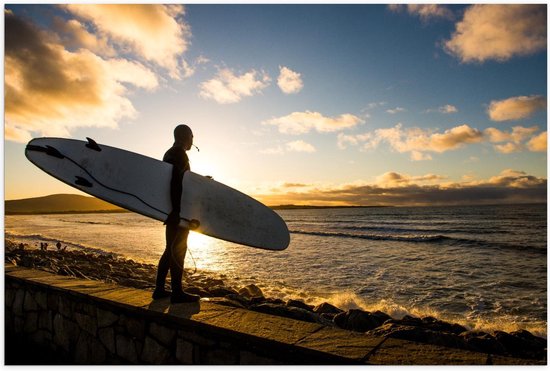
[[176, 237]]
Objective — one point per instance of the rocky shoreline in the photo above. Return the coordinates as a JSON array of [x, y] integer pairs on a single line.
[[126, 272]]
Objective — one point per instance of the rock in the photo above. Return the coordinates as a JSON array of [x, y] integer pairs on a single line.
[[29, 304], [357, 320], [522, 344], [239, 299], [196, 291], [107, 338], [328, 316], [86, 323], [65, 331], [89, 351], [154, 353], [418, 334], [227, 302], [299, 304], [134, 326], [327, 308], [251, 291], [220, 291], [162, 334], [184, 351], [437, 325], [105, 318], [480, 341], [126, 348], [284, 311]]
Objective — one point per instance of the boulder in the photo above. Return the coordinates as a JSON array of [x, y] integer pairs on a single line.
[[327, 308], [437, 325], [221, 291], [227, 301], [251, 291], [418, 334], [196, 291], [522, 344], [288, 312], [358, 320], [299, 304], [480, 341]]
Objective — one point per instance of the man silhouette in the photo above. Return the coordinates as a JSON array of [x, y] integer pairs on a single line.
[[176, 237]]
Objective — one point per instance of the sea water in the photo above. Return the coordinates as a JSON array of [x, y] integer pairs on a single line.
[[484, 267]]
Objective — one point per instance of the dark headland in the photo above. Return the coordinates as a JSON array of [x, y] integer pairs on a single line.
[[75, 204]]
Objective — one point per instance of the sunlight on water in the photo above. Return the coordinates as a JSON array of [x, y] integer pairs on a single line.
[[482, 267]]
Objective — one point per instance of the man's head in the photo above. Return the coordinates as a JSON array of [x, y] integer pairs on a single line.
[[183, 136]]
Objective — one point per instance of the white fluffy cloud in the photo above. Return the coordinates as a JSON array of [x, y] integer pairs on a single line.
[[516, 108], [300, 146], [50, 90], [294, 146], [419, 142], [425, 11], [498, 32], [538, 143], [303, 122], [448, 108], [228, 87], [290, 82], [155, 32]]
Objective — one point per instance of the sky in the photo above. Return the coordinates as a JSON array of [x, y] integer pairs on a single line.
[[292, 104]]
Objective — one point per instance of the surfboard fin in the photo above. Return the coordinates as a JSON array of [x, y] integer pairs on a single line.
[[49, 150], [92, 144], [83, 182]]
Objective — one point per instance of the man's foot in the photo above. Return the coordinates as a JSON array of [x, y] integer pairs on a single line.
[[184, 297], [161, 293]]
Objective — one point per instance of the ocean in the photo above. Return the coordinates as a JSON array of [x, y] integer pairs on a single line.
[[484, 267]]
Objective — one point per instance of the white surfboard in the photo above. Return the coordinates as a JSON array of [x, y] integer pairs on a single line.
[[142, 184]]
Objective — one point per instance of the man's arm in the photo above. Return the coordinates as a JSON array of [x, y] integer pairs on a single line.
[[175, 187]]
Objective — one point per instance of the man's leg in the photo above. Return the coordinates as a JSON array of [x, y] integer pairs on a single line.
[[179, 249], [177, 258]]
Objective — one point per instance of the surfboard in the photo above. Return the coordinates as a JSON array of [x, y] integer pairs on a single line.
[[142, 184]]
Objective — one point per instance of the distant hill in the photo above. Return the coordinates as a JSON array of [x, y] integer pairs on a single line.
[[59, 203]]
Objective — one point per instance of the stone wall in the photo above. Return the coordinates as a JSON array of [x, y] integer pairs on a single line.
[[81, 328], [52, 319]]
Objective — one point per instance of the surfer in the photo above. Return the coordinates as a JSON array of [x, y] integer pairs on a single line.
[[176, 237]]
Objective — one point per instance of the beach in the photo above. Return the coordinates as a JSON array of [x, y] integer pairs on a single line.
[[212, 287]]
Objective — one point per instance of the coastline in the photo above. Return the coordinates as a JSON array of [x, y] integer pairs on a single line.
[[212, 287]]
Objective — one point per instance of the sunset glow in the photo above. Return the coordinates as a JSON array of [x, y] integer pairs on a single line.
[[291, 104]]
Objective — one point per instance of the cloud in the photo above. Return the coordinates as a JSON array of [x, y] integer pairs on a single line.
[[51, 91], [289, 81], [303, 122], [538, 143], [448, 109], [394, 189], [424, 11], [344, 139], [295, 146], [395, 110], [416, 140], [498, 32], [153, 31], [516, 108], [393, 179], [514, 138], [300, 146], [74, 35], [227, 87]]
